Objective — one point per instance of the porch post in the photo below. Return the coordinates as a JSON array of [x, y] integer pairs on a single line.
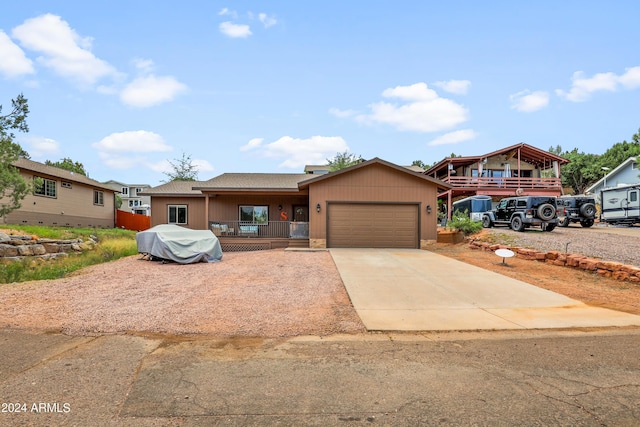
[[206, 211]]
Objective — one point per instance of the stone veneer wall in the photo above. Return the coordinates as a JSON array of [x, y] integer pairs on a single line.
[[612, 269], [17, 247]]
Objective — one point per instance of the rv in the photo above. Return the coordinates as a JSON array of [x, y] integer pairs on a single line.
[[474, 205], [620, 205]]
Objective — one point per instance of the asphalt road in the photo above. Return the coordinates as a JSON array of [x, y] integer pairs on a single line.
[[588, 377]]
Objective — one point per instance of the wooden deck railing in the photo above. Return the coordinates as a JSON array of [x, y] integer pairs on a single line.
[[483, 182], [271, 229]]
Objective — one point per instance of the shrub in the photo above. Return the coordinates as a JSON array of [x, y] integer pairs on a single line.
[[460, 221]]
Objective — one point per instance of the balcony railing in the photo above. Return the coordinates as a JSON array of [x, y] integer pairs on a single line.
[[501, 183], [271, 229]]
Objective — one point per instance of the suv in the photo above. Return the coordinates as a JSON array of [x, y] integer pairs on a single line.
[[580, 209], [523, 212]]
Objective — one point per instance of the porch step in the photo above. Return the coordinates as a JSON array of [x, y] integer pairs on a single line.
[[299, 243]]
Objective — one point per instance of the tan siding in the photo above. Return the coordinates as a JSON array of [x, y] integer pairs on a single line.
[[376, 183], [226, 207], [195, 211], [71, 206]]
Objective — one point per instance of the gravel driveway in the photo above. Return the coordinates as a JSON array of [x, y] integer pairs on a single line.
[[272, 293], [621, 244]]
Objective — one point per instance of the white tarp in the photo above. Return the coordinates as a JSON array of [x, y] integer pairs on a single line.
[[179, 244]]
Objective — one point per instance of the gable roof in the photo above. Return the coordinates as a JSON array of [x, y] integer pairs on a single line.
[[41, 168], [528, 154], [379, 161], [174, 188], [612, 173], [254, 182]]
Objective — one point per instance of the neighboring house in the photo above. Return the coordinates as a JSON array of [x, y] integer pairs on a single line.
[[62, 198], [626, 173], [520, 169], [132, 201], [372, 204]]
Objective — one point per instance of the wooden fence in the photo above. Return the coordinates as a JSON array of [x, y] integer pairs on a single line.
[[131, 221]]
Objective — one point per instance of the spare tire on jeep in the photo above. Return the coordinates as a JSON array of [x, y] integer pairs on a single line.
[[588, 210], [546, 211]]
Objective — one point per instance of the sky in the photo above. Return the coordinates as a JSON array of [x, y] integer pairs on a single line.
[[128, 87]]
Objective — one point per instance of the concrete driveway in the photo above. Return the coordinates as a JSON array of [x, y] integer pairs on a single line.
[[417, 290]]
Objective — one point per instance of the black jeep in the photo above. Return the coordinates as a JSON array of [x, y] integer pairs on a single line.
[[580, 209], [523, 212]]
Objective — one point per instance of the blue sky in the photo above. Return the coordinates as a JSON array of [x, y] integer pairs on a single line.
[[126, 86]]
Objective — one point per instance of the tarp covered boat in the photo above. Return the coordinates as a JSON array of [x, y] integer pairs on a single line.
[[179, 244]]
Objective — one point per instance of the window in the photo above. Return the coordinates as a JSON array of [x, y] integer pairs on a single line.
[[633, 196], [177, 214], [44, 187], [125, 191], [130, 203], [65, 184], [98, 197], [257, 214]]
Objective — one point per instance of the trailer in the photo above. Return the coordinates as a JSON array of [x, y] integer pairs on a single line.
[[474, 205], [620, 205]]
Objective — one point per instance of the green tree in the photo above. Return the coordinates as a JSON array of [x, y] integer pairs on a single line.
[[343, 160], [13, 188], [581, 171], [69, 165], [620, 152], [182, 170], [420, 163]]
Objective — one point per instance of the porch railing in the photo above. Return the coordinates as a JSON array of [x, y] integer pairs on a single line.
[[484, 182], [270, 229]]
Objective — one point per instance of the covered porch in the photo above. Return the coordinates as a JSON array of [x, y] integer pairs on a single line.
[[246, 236]]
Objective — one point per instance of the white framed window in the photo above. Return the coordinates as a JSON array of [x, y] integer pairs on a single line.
[[65, 184], [177, 214], [98, 197], [125, 191], [254, 214], [130, 203], [44, 187]]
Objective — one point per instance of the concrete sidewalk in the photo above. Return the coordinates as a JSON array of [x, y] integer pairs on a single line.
[[416, 290]]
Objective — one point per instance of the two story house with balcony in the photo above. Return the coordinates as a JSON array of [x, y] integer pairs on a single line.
[[516, 170], [132, 200]]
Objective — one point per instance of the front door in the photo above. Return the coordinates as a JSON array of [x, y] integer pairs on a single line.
[[300, 213]]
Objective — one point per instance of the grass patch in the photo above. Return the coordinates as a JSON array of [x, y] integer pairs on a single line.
[[112, 244]]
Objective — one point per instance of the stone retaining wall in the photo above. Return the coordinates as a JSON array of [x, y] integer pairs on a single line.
[[17, 247], [612, 269]]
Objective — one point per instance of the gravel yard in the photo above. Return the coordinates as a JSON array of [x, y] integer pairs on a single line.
[[621, 244], [273, 293], [281, 293]]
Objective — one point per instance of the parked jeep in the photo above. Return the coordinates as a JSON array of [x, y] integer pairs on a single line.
[[580, 209], [523, 212]]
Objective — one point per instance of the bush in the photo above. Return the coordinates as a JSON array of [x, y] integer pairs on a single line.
[[460, 221]]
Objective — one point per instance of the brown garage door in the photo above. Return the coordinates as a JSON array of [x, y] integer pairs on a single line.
[[372, 226]]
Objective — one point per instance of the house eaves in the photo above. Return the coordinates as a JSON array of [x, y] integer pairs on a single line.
[[51, 171], [375, 160], [611, 174]]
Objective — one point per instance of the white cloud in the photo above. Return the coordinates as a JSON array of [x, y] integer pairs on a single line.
[[425, 110], [41, 148], [582, 87], [14, 62], [454, 137], [62, 49], [144, 66], [225, 11], [232, 30], [151, 90], [252, 144], [202, 165], [631, 78], [459, 87], [527, 101], [164, 166], [298, 152], [140, 141], [343, 114], [267, 21]]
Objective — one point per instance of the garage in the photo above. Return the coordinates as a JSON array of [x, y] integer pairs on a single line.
[[373, 225]]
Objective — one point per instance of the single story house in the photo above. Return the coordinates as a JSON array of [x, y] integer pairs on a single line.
[[62, 198], [519, 169], [626, 173], [372, 204]]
